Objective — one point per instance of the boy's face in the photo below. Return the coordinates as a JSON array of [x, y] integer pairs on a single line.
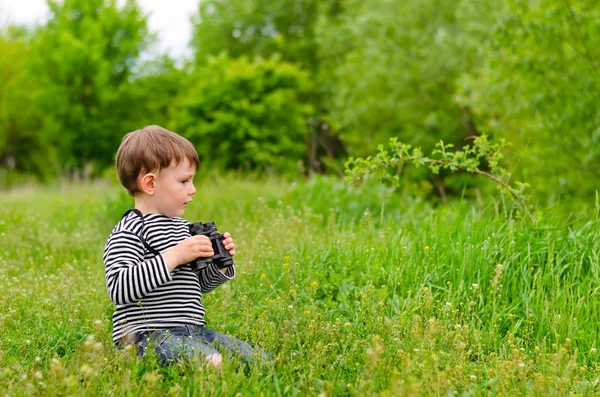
[[174, 188]]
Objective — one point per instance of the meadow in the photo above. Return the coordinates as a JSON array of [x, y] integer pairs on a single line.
[[355, 291]]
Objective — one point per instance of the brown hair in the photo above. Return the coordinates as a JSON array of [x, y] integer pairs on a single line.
[[150, 149]]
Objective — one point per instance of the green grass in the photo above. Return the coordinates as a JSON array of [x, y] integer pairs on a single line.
[[354, 291]]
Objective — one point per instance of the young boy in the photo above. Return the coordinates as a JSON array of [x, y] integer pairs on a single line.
[[158, 297]]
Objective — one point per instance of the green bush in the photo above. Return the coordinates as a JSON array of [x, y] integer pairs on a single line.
[[246, 114]]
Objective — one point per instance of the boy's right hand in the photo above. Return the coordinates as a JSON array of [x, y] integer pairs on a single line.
[[188, 250]]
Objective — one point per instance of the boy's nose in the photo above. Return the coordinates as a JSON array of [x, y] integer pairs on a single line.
[[193, 191]]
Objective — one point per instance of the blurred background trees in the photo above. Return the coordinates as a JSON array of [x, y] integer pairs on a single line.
[[296, 86]]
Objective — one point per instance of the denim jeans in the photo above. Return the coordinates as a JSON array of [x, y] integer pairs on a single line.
[[189, 341]]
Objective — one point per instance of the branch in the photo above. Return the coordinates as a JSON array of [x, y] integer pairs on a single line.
[[457, 160], [586, 52]]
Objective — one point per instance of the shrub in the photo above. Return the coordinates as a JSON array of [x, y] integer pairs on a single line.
[[243, 113]]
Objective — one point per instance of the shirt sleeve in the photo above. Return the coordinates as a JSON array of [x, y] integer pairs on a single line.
[[211, 277], [128, 276]]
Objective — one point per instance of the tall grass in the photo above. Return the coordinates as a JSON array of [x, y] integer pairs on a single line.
[[354, 291]]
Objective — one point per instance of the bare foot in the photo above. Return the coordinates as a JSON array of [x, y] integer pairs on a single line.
[[215, 360]]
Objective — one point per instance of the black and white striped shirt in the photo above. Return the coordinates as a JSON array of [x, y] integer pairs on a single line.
[[146, 294]]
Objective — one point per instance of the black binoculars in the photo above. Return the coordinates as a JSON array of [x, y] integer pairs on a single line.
[[221, 258]]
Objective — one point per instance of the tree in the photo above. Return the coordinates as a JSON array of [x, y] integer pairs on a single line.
[[246, 114], [258, 28], [392, 67], [538, 87], [397, 71], [87, 52], [285, 28], [23, 145], [150, 97]]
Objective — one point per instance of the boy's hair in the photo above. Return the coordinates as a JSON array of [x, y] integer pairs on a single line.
[[151, 149]]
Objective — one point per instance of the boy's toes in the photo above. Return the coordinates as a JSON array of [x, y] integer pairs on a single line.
[[215, 360]]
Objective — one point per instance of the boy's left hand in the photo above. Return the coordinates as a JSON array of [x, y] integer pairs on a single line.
[[228, 243]]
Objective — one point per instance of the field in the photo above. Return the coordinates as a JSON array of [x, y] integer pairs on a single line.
[[354, 291]]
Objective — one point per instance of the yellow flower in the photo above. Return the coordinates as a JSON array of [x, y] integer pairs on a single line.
[[86, 370]]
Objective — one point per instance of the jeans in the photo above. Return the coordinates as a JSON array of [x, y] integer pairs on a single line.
[[189, 341]]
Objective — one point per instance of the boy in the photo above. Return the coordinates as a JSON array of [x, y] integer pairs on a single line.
[[157, 295]]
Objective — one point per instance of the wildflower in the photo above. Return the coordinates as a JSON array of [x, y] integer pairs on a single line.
[[55, 363], [151, 378], [263, 276], [89, 341], [86, 370], [314, 284]]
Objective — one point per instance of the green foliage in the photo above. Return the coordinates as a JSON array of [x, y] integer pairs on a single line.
[[538, 87], [420, 70], [150, 98], [258, 27], [391, 66], [87, 51], [286, 29], [330, 198], [469, 158], [24, 146], [246, 114]]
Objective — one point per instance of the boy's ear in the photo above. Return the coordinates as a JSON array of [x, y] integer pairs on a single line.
[[147, 182]]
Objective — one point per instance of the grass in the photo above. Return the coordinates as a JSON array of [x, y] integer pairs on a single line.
[[354, 291]]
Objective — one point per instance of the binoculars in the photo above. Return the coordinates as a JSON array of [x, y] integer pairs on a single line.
[[221, 258]]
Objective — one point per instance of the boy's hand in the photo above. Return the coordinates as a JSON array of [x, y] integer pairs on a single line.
[[228, 243], [188, 250]]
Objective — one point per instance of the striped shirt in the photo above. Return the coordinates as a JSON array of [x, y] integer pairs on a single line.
[[147, 296]]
